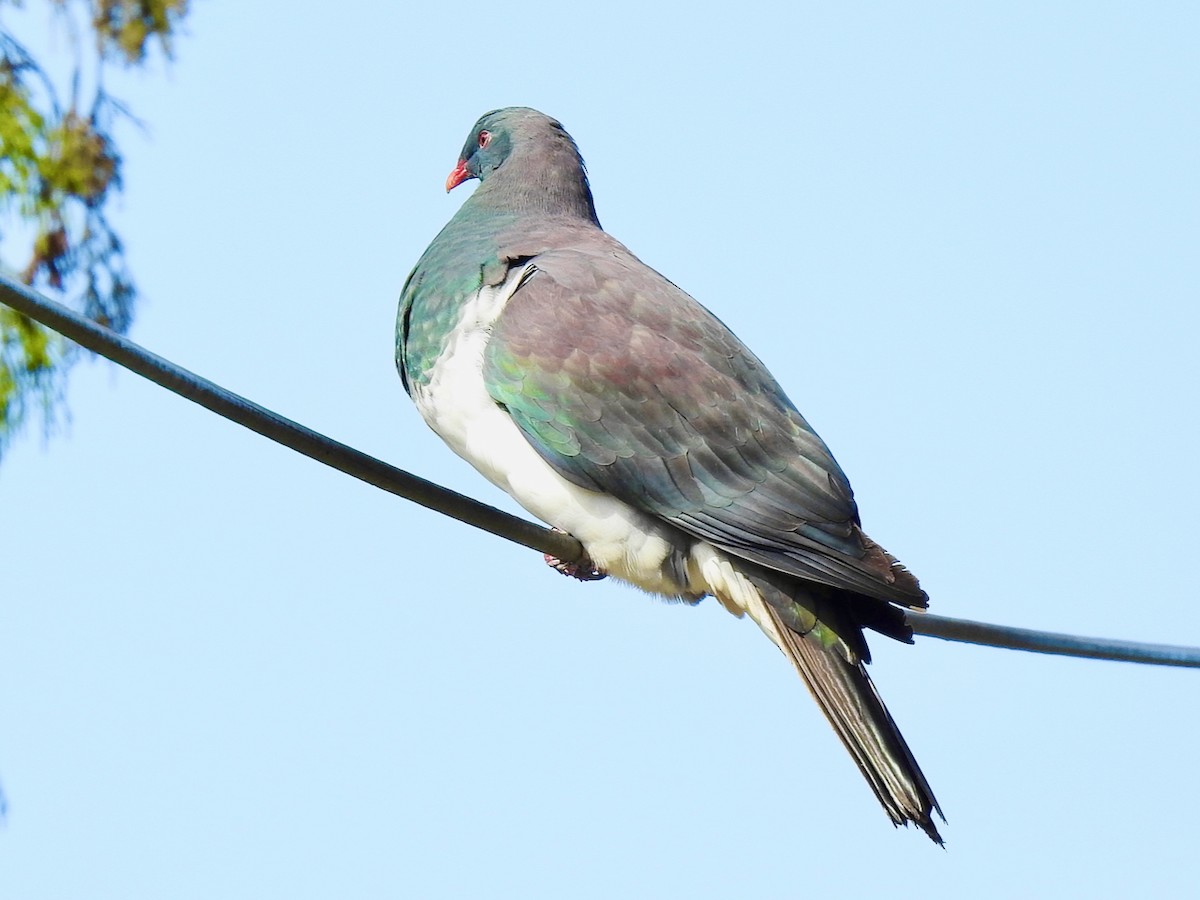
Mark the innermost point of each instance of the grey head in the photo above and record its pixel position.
(525, 162)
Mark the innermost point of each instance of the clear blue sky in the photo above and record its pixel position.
(963, 237)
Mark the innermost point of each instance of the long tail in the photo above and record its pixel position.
(817, 629)
(820, 630)
(853, 707)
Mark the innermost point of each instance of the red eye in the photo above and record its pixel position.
(485, 138)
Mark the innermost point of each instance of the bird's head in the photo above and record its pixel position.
(527, 162)
(488, 146)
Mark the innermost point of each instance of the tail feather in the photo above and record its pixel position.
(853, 707)
(820, 630)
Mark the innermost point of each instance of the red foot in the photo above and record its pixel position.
(583, 569)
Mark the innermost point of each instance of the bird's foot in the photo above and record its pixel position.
(582, 569)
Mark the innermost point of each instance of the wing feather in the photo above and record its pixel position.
(626, 385)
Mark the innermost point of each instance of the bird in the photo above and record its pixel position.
(616, 408)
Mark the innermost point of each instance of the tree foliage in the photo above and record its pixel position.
(59, 167)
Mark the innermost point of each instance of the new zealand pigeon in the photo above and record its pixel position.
(614, 407)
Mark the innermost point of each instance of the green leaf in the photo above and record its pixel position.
(59, 168)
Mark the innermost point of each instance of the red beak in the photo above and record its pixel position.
(458, 176)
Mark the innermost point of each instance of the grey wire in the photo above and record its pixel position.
(1059, 644)
(164, 373)
(366, 468)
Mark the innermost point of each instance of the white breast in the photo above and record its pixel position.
(621, 540)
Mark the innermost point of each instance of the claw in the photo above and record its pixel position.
(582, 569)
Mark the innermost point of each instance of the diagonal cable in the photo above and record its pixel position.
(366, 468)
(312, 444)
